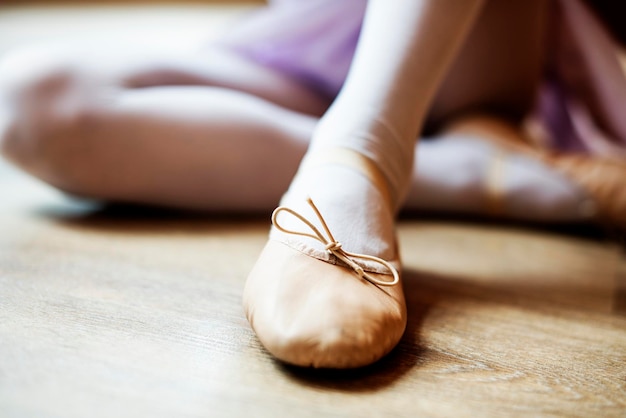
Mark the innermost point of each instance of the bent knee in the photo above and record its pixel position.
(49, 104)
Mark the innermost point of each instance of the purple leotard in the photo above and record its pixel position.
(314, 41)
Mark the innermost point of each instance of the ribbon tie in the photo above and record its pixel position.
(334, 247)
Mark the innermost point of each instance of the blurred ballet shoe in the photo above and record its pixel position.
(601, 180)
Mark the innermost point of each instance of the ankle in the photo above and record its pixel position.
(373, 136)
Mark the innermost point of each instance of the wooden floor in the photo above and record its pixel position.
(137, 313)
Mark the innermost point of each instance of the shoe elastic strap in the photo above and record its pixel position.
(349, 158)
(495, 184)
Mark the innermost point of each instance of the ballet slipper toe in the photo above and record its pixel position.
(604, 181)
(309, 312)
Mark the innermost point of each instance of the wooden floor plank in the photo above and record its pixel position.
(133, 313)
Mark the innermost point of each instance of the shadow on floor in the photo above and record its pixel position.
(145, 219)
(424, 291)
(581, 230)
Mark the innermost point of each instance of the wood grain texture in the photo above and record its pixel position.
(132, 313)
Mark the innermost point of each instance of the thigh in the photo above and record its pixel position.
(148, 126)
(85, 68)
(219, 67)
(500, 64)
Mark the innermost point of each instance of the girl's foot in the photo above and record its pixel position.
(547, 184)
(331, 301)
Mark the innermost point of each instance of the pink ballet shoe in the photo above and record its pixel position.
(342, 312)
(601, 180)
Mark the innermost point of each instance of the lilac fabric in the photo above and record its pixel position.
(580, 106)
(582, 102)
(311, 40)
